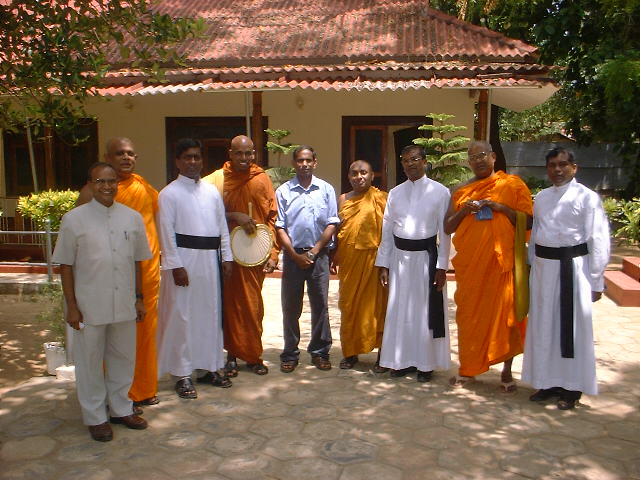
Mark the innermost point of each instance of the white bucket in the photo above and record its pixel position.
(56, 356)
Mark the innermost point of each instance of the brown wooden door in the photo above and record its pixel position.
(369, 142)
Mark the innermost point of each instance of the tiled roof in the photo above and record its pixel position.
(334, 45)
(383, 76)
(257, 32)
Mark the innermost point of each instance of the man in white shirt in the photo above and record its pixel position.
(568, 252)
(413, 256)
(99, 249)
(194, 242)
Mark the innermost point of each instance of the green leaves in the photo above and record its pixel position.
(445, 152)
(51, 204)
(54, 54)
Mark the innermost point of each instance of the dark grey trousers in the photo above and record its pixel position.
(293, 280)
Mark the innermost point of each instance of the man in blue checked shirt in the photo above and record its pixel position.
(307, 221)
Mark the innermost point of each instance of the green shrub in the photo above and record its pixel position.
(51, 204)
(624, 217)
(629, 219)
(446, 152)
(279, 175)
(536, 184)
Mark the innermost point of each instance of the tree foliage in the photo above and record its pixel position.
(596, 44)
(446, 152)
(54, 53)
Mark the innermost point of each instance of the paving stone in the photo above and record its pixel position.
(349, 450)
(146, 474)
(182, 464)
(266, 410)
(634, 468)
(314, 411)
(187, 439)
(226, 425)
(557, 445)
(293, 447)
(530, 464)
(89, 472)
(577, 427)
(381, 433)
(169, 419)
(27, 448)
(219, 406)
(626, 431)
(613, 448)
(328, 429)
(466, 459)
(298, 396)
(276, 427)
(236, 444)
(33, 425)
(432, 473)
(347, 397)
(34, 469)
(438, 438)
(408, 456)
(87, 451)
(249, 467)
(310, 469)
(593, 467)
(370, 471)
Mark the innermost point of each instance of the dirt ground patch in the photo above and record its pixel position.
(21, 339)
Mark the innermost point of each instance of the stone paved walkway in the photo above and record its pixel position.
(344, 425)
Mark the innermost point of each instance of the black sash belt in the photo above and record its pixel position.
(436, 303)
(197, 243)
(566, 256)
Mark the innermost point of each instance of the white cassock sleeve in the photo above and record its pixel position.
(386, 243)
(599, 242)
(225, 245)
(444, 246)
(167, 232)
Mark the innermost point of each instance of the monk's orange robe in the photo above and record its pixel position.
(136, 193)
(488, 332)
(243, 307)
(363, 301)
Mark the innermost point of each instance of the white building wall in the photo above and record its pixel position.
(314, 117)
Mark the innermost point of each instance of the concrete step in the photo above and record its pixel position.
(622, 289)
(631, 266)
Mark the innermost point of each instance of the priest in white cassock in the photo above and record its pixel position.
(194, 240)
(568, 252)
(413, 258)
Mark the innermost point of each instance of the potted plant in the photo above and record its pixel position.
(53, 316)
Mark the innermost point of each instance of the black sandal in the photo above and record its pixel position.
(215, 379)
(185, 388)
(231, 369)
(348, 362)
(258, 368)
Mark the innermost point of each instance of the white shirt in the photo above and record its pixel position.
(102, 245)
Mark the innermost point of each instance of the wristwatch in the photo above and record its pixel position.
(311, 256)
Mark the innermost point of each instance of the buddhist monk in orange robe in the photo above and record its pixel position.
(136, 193)
(483, 216)
(363, 299)
(245, 182)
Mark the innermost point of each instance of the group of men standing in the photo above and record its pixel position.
(489, 217)
(206, 302)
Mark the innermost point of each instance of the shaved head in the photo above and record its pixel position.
(481, 145)
(359, 164)
(120, 154)
(241, 153)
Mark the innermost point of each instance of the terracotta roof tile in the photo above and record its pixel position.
(256, 32)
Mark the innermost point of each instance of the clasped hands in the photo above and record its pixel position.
(474, 206)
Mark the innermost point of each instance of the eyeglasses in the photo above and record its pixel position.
(478, 156)
(105, 181)
(412, 160)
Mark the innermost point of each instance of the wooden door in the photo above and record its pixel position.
(369, 142)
